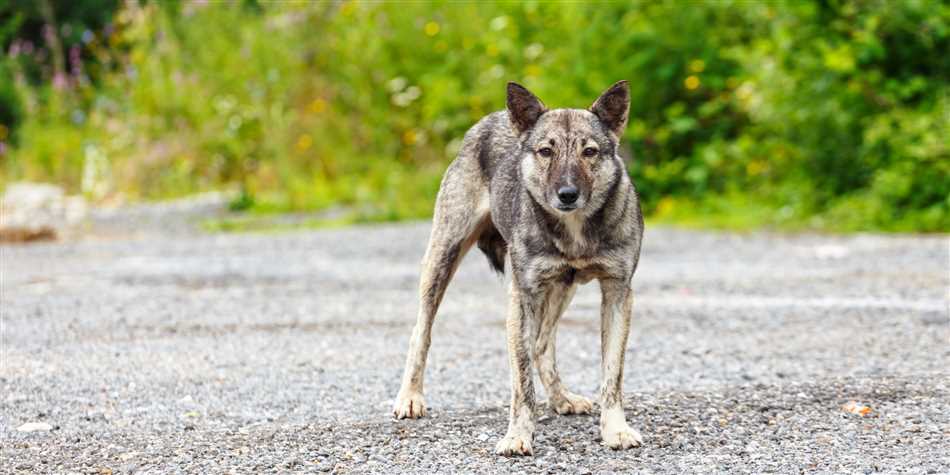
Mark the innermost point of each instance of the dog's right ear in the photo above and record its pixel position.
(524, 108)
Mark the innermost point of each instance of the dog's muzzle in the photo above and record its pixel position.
(567, 198)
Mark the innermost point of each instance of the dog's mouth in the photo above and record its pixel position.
(565, 208)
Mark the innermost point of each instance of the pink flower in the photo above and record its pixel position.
(59, 81)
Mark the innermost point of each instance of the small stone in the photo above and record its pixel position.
(35, 427)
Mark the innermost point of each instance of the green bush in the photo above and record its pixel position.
(853, 97)
(11, 110)
(830, 115)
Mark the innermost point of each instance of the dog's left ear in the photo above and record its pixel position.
(613, 106)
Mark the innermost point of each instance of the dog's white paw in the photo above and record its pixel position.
(514, 444)
(624, 438)
(570, 403)
(409, 405)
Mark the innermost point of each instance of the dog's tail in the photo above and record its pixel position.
(495, 248)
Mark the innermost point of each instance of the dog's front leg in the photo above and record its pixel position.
(522, 331)
(616, 308)
(561, 400)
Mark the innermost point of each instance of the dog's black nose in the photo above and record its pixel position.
(567, 194)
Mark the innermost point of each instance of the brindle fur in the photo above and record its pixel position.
(502, 193)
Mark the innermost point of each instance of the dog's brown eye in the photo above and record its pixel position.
(546, 152)
(590, 152)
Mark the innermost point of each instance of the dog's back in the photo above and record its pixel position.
(485, 148)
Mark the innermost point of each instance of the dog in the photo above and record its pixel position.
(546, 191)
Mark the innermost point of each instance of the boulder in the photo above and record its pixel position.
(38, 211)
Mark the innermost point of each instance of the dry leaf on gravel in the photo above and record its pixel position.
(856, 408)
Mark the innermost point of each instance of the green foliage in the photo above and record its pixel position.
(11, 111)
(830, 115)
(852, 97)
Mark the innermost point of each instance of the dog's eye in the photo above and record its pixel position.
(546, 152)
(590, 152)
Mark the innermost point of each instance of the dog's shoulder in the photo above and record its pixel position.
(489, 141)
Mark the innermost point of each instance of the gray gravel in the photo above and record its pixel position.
(183, 352)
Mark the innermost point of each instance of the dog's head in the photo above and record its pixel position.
(569, 157)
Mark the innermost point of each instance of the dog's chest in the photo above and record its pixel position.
(571, 240)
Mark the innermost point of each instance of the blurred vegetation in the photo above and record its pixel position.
(830, 115)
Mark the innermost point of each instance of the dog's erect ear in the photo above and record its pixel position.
(613, 106)
(523, 107)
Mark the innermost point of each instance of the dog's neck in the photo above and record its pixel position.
(581, 233)
(572, 240)
(565, 231)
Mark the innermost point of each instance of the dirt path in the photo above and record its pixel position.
(281, 352)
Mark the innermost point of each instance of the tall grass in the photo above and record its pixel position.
(831, 116)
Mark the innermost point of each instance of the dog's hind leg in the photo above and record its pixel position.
(461, 213)
(559, 398)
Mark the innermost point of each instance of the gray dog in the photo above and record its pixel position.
(547, 190)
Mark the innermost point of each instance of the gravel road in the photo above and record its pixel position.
(281, 352)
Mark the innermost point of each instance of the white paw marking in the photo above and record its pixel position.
(569, 403)
(409, 405)
(624, 438)
(514, 444)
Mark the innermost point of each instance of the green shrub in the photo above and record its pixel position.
(829, 115)
(11, 110)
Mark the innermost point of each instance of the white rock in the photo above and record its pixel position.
(35, 427)
(37, 210)
(831, 251)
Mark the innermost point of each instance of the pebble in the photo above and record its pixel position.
(35, 427)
